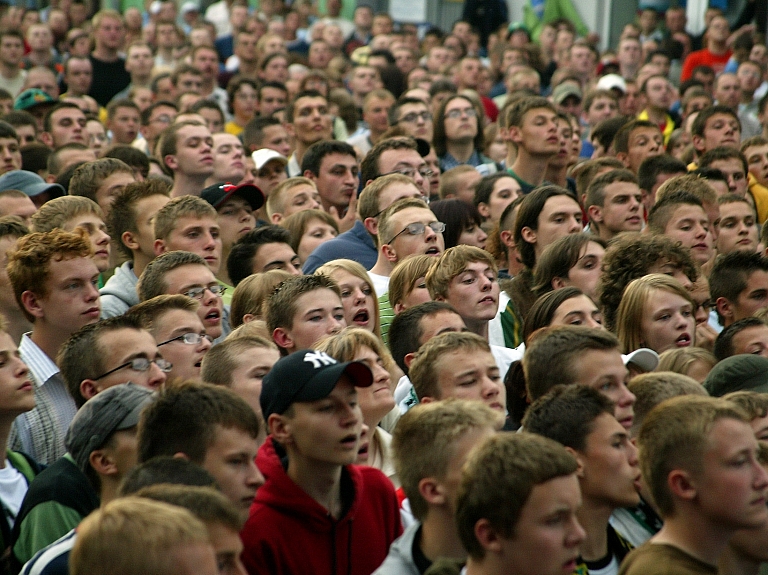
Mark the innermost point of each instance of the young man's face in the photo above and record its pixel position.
(337, 181)
(118, 347)
(604, 371)
(271, 100)
(689, 225)
(585, 274)
(299, 198)
(474, 293)
(732, 494)
(276, 256)
(185, 278)
(537, 133)
(405, 244)
(110, 188)
(753, 340)
(143, 239)
(505, 191)
(248, 375)
(601, 109)
(463, 127)
(471, 374)
(72, 295)
(733, 170)
(311, 120)
(752, 298)
(416, 120)
(186, 358)
(327, 430)
(125, 125)
(560, 216)
(737, 230)
(276, 138)
(17, 393)
(610, 464)
(236, 219)
(67, 126)
(318, 313)
(643, 143)
(17, 206)
(194, 152)
(228, 547)
(539, 545)
(719, 130)
(404, 160)
(228, 162)
(658, 91)
(200, 236)
(230, 459)
(97, 232)
(622, 209)
(667, 322)
(10, 155)
(757, 159)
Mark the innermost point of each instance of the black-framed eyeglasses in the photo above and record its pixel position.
(413, 116)
(197, 292)
(458, 113)
(417, 229)
(424, 171)
(705, 305)
(190, 338)
(140, 364)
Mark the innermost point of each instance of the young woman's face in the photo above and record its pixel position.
(357, 297)
(315, 233)
(667, 321)
(473, 235)
(585, 274)
(579, 310)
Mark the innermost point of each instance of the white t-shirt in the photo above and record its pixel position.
(13, 488)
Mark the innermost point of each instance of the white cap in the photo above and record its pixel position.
(190, 6)
(154, 8)
(646, 359)
(610, 81)
(264, 155)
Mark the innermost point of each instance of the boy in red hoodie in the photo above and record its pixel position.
(317, 513)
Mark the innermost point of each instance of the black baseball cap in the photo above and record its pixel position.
(219, 193)
(307, 375)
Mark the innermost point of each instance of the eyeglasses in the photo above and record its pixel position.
(458, 113)
(417, 229)
(162, 118)
(197, 293)
(140, 364)
(189, 338)
(705, 305)
(411, 172)
(413, 116)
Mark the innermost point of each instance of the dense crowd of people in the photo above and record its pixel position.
(302, 289)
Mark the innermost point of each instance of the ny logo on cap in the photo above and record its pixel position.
(318, 358)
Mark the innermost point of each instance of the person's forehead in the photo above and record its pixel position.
(688, 211)
(310, 102)
(560, 202)
(194, 131)
(336, 159)
(720, 117)
(412, 107)
(189, 274)
(224, 138)
(394, 157)
(185, 222)
(67, 113)
(413, 215)
(178, 318)
(461, 103)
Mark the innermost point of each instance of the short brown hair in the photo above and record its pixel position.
(221, 360)
(146, 312)
(122, 215)
(58, 211)
(451, 263)
(181, 207)
(251, 293)
(650, 389)
(88, 178)
(152, 280)
(280, 308)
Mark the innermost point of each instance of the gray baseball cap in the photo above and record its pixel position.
(115, 409)
(29, 183)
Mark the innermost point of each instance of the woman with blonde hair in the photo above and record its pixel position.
(694, 362)
(361, 308)
(377, 400)
(656, 312)
(309, 229)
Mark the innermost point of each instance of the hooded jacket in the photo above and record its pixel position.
(119, 293)
(289, 533)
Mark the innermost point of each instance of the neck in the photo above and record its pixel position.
(322, 483)
(223, 275)
(557, 175)
(109, 487)
(530, 168)
(594, 518)
(207, 88)
(105, 54)
(250, 69)
(6, 422)
(48, 338)
(717, 47)
(301, 149)
(9, 72)
(695, 535)
(478, 326)
(734, 563)
(17, 323)
(460, 150)
(383, 266)
(140, 81)
(439, 537)
(747, 97)
(184, 185)
(629, 71)
(165, 53)
(509, 161)
(375, 136)
(656, 115)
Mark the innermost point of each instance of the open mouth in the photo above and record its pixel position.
(433, 251)
(213, 316)
(361, 317)
(350, 441)
(683, 341)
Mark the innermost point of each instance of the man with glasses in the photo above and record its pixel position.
(185, 273)
(406, 228)
(55, 282)
(413, 117)
(180, 335)
(397, 155)
(458, 138)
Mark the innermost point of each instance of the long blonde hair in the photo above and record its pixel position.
(358, 271)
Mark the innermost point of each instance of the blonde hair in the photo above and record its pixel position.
(255, 328)
(359, 272)
(135, 536)
(650, 389)
(298, 222)
(632, 307)
(682, 360)
(251, 293)
(276, 198)
(453, 262)
(402, 280)
(57, 212)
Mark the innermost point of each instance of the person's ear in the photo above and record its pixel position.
(248, 318)
(88, 388)
(279, 428)
(427, 399)
(102, 462)
(595, 214)
(129, 241)
(371, 225)
(558, 283)
(282, 338)
(484, 210)
(32, 304)
(389, 253)
(46, 138)
(171, 162)
(514, 134)
(579, 461)
(528, 235)
(276, 218)
(432, 491)
(160, 247)
(623, 157)
(724, 307)
(698, 143)
(507, 238)
(408, 359)
(487, 536)
(682, 485)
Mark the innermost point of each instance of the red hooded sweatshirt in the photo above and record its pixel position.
(289, 533)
